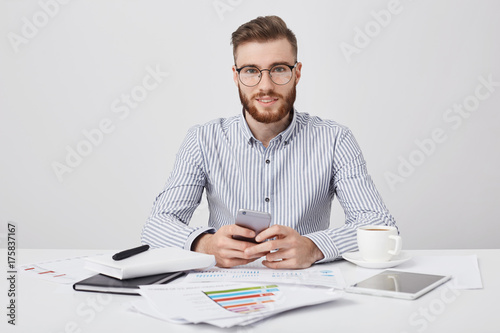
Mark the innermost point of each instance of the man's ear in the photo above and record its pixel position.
(298, 72)
(235, 75)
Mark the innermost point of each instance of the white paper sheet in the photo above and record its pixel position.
(64, 271)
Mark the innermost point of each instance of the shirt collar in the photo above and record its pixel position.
(288, 132)
(247, 133)
(283, 136)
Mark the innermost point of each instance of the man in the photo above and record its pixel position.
(270, 158)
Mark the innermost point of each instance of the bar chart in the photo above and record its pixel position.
(64, 271)
(246, 300)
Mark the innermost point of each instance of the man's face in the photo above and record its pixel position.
(267, 102)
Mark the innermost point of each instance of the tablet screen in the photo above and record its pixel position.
(411, 285)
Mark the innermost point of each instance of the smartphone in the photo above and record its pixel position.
(254, 220)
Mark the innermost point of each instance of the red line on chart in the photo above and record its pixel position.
(59, 275)
(242, 297)
(246, 304)
(29, 269)
(240, 305)
(46, 272)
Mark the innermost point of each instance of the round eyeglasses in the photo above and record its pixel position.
(280, 74)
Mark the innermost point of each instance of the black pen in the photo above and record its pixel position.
(131, 252)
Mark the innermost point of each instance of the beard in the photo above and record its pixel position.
(268, 117)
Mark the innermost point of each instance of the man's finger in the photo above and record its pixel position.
(278, 255)
(236, 245)
(233, 262)
(280, 264)
(264, 248)
(234, 229)
(272, 232)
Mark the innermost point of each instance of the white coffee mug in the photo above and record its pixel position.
(378, 243)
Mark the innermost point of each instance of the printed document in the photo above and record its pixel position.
(256, 272)
(228, 304)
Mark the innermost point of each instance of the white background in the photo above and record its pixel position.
(65, 68)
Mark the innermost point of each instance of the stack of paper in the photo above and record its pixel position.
(227, 304)
(240, 295)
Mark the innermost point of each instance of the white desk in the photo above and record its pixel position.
(47, 307)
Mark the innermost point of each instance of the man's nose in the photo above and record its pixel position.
(265, 81)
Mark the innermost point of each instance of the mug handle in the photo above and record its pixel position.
(397, 246)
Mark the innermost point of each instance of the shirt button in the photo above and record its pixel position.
(267, 161)
(266, 199)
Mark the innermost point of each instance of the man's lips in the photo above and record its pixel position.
(267, 100)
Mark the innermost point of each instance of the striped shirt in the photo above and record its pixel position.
(294, 179)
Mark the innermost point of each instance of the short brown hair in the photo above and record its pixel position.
(263, 29)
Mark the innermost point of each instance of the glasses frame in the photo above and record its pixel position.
(270, 75)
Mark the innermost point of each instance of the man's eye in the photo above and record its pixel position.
(279, 69)
(250, 71)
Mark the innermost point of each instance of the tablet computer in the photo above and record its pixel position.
(398, 284)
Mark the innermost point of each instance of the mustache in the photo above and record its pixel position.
(267, 94)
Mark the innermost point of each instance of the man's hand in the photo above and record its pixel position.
(293, 250)
(228, 252)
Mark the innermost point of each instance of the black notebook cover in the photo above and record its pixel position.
(107, 284)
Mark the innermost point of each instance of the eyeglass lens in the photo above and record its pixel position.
(251, 76)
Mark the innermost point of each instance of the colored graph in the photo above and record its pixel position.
(245, 300)
(232, 274)
(65, 271)
(315, 276)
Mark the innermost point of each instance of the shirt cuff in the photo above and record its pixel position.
(191, 238)
(325, 245)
